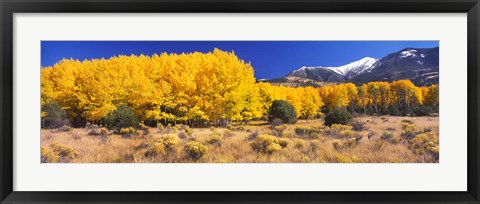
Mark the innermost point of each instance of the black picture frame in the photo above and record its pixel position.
(10, 7)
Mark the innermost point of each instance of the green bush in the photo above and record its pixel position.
(422, 111)
(393, 110)
(123, 117)
(276, 122)
(338, 116)
(283, 110)
(54, 116)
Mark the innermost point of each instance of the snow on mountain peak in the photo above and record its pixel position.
(359, 66)
(411, 53)
(356, 67)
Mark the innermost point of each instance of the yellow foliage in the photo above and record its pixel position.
(169, 141)
(64, 153)
(180, 87)
(426, 143)
(196, 86)
(195, 150)
(48, 156)
(268, 144)
(127, 131)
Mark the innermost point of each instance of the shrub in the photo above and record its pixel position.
(53, 116)
(195, 150)
(145, 129)
(422, 111)
(313, 147)
(386, 136)
(340, 145)
(65, 129)
(276, 122)
(346, 133)
(370, 135)
(389, 137)
(253, 135)
(426, 144)
(215, 139)
(358, 137)
(188, 130)
(157, 149)
(393, 110)
(161, 128)
(143, 145)
(299, 143)
(76, 136)
(378, 145)
(282, 142)
(308, 133)
(409, 130)
(178, 127)
(345, 159)
(65, 153)
(163, 146)
(237, 128)
(169, 142)
(395, 140)
(340, 131)
(123, 117)
(274, 147)
(337, 144)
(338, 116)
(228, 133)
(358, 125)
(98, 132)
(91, 126)
(216, 132)
(266, 144)
(182, 135)
(278, 130)
(47, 156)
(427, 129)
(127, 132)
(283, 110)
(406, 121)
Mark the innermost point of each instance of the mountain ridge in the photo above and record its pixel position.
(420, 65)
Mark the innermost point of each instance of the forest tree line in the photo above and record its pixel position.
(211, 88)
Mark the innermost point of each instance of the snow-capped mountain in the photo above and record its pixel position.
(420, 65)
(347, 71)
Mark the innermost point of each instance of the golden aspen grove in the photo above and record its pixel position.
(209, 107)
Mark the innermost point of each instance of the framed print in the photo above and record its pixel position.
(239, 101)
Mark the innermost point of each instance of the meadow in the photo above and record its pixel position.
(367, 139)
(209, 107)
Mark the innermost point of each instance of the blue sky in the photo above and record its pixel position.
(270, 59)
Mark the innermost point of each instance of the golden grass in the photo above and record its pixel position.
(235, 146)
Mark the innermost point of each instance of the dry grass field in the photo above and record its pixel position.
(368, 139)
